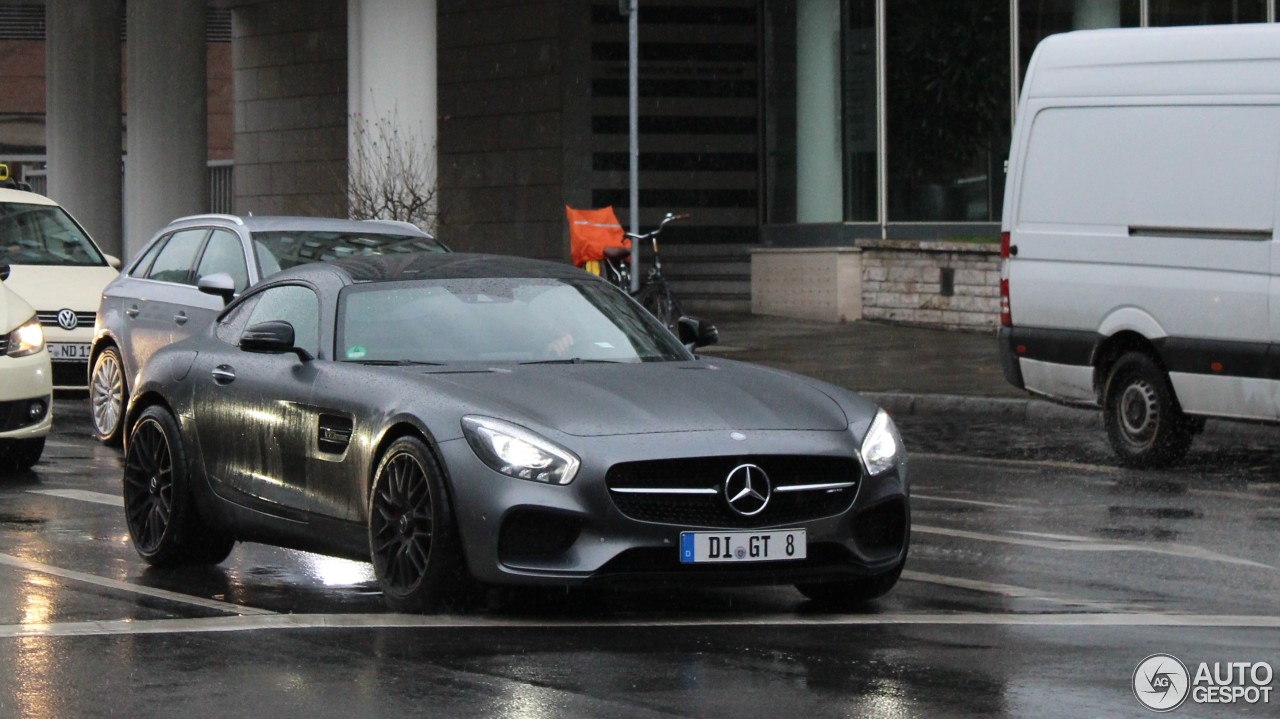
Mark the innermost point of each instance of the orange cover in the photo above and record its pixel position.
(590, 231)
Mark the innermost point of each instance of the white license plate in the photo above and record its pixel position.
(779, 545)
(69, 352)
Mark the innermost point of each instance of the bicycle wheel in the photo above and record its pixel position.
(661, 303)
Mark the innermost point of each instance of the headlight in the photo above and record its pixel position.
(517, 452)
(27, 339)
(881, 446)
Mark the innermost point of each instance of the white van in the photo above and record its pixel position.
(1142, 266)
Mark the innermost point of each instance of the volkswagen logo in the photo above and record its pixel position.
(67, 320)
(747, 490)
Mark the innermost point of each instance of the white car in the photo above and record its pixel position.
(26, 386)
(55, 266)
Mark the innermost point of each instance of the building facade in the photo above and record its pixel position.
(771, 122)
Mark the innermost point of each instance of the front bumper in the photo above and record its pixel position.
(517, 531)
(24, 380)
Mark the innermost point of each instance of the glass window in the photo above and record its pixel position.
(280, 250)
(296, 305)
(224, 253)
(948, 115)
(174, 262)
(1206, 12)
(33, 234)
(143, 265)
(1040, 19)
(234, 319)
(498, 320)
(859, 110)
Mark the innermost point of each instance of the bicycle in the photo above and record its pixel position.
(654, 293)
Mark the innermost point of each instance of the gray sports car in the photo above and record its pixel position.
(466, 420)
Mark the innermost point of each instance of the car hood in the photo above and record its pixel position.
(13, 310)
(50, 288)
(614, 399)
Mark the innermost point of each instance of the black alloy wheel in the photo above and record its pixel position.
(108, 396)
(413, 539)
(1144, 422)
(159, 510)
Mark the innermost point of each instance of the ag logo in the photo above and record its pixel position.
(1161, 682)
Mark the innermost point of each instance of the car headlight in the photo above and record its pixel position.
(517, 452)
(881, 446)
(28, 339)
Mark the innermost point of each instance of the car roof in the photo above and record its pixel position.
(26, 198)
(287, 223)
(433, 266)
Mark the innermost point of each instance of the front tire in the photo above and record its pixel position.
(853, 592)
(21, 454)
(661, 303)
(160, 511)
(1145, 425)
(108, 395)
(413, 538)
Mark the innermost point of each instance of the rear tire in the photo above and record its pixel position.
(1145, 424)
(108, 395)
(164, 524)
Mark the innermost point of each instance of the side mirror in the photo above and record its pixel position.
(218, 284)
(4, 272)
(113, 261)
(695, 333)
(274, 337)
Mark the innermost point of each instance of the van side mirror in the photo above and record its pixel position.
(695, 332)
(113, 261)
(218, 284)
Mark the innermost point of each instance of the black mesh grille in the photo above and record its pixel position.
(712, 509)
(71, 374)
(83, 319)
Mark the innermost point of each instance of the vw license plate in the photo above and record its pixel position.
(779, 545)
(69, 352)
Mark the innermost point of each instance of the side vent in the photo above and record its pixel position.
(335, 433)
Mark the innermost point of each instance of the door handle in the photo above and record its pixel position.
(180, 318)
(224, 374)
(132, 312)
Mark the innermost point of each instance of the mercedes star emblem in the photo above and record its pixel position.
(747, 490)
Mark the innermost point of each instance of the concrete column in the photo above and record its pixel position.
(819, 189)
(391, 62)
(82, 55)
(165, 167)
(1091, 14)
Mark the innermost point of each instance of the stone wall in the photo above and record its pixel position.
(289, 62)
(944, 284)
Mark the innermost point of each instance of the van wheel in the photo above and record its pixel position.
(1145, 425)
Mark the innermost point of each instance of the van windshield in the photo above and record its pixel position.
(43, 235)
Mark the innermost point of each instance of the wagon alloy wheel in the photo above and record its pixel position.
(1145, 424)
(159, 509)
(413, 539)
(107, 396)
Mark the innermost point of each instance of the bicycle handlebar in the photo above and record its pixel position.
(654, 232)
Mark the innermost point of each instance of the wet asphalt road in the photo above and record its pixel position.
(1040, 575)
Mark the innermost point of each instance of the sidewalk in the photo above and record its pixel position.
(906, 369)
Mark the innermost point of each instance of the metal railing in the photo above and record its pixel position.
(222, 193)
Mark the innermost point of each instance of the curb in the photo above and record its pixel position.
(1035, 411)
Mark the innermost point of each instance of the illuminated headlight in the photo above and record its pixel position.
(27, 339)
(881, 446)
(517, 452)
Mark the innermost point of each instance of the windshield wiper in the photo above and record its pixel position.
(573, 360)
(396, 363)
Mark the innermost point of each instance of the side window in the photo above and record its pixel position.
(234, 320)
(141, 267)
(224, 253)
(296, 305)
(173, 264)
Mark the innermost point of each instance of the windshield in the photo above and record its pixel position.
(43, 235)
(280, 250)
(499, 320)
